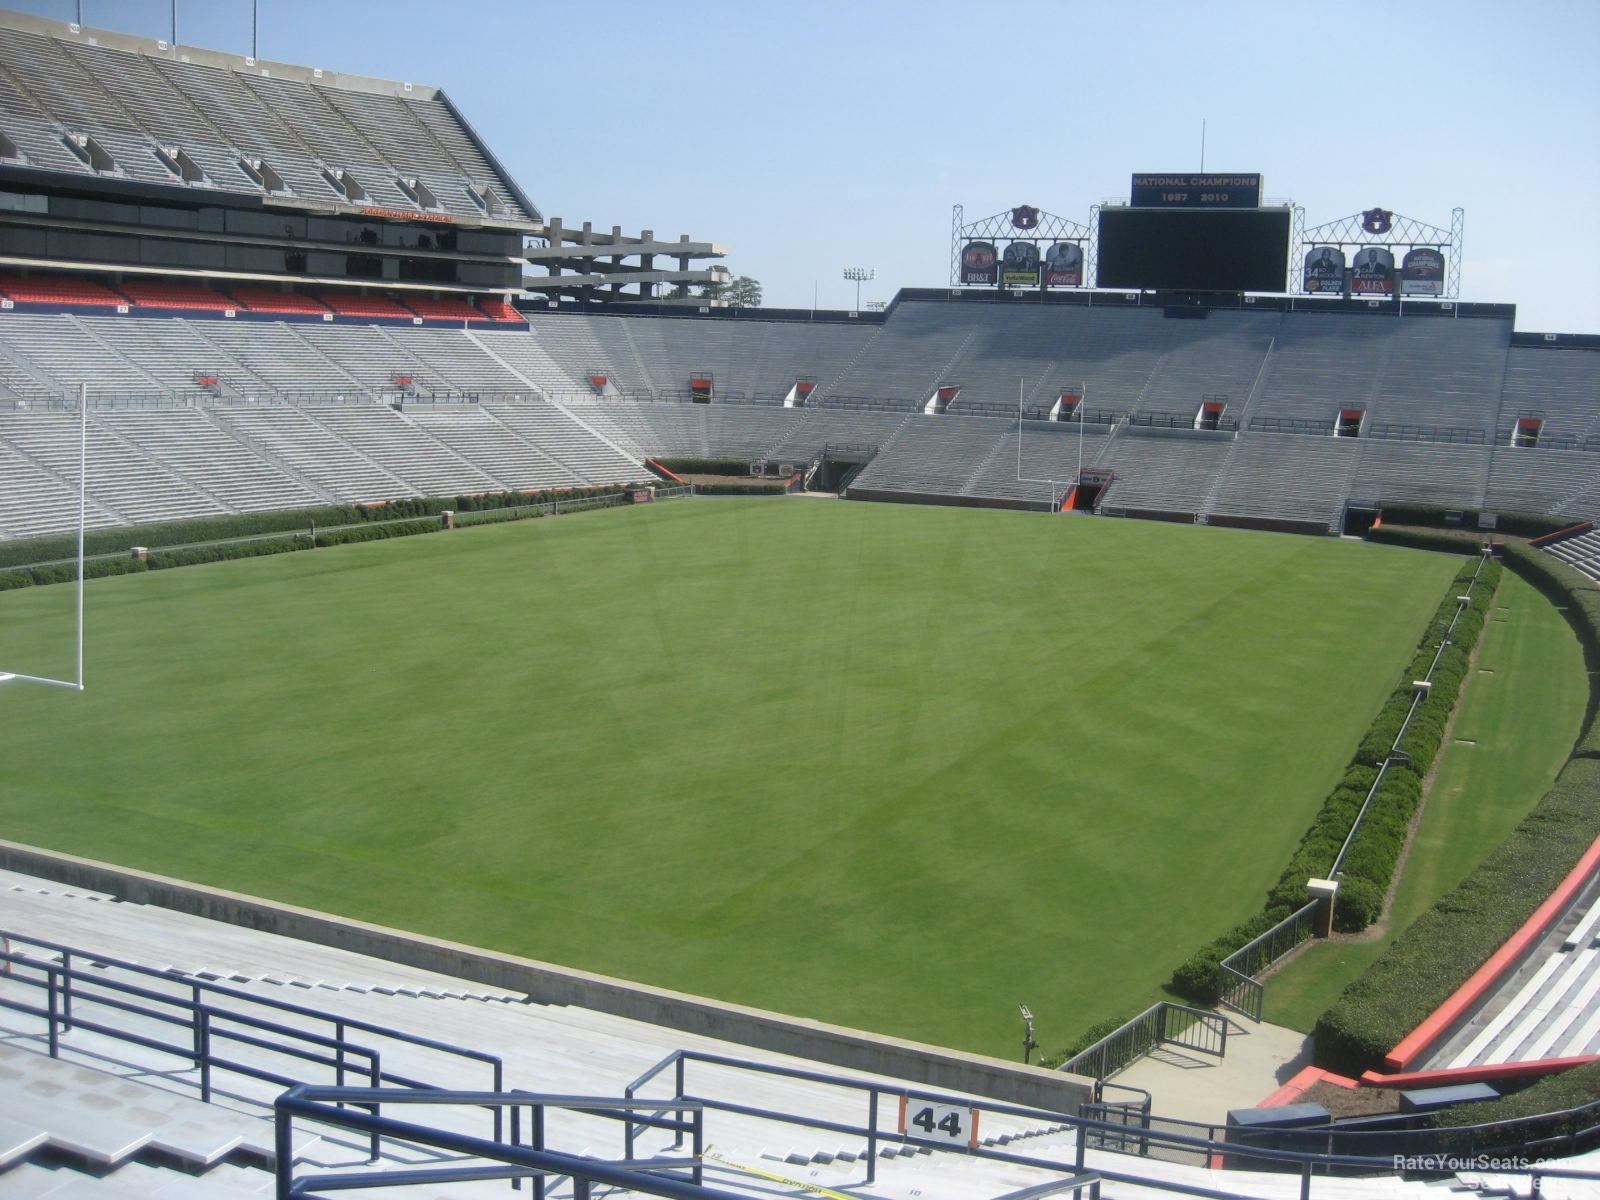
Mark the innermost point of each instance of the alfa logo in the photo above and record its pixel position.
(1025, 217)
(1377, 220)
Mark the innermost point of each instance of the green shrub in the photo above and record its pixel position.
(1512, 524)
(689, 465)
(1086, 1039)
(739, 489)
(375, 533)
(190, 556)
(118, 539)
(1359, 904)
(1196, 979)
(1444, 540)
(1552, 1098)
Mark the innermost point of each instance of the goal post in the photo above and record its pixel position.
(75, 683)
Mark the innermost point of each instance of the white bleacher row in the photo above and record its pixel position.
(1156, 474)
(117, 1120)
(1581, 552)
(933, 454)
(232, 456)
(1041, 467)
(1549, 1008)
(1423, 371)
(1285, 476)
(1558, 387)
(151, 465)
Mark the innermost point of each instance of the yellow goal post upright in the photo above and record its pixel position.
(75, 684)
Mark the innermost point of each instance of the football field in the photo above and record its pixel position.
(895, 767)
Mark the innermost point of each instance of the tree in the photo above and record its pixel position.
(741, 292)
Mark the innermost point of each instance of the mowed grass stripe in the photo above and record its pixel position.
(889, 766)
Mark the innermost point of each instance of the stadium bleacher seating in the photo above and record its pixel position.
(443, 309)
(151, 293)
(1158, 473)
(1292, 478)
(272, 300)
(522, 399)
(57, 289)
(130, 102)
(499, 310)
(1557, 386)
(347, 304)
(1549, 1008)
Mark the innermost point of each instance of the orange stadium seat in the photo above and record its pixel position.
(57, 289)
(265, 299)
(444, 310)
(349, 304)
(151, 293)
(499, 310)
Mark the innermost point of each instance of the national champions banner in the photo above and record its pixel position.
(1422, 272)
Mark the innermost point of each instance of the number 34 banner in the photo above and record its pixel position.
(944, 1124)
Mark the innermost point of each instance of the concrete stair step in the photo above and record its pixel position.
(162, 940)
(104, 1119)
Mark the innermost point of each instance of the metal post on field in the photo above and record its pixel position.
(1083, 398)
(83, 508)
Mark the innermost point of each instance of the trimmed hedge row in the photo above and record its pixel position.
(1447, 541)
(1085, 1039)
(380, 523)
(1441, 948)
(1369, 866)
(739, 489)
(1574, 1089)
(118, 538)
(688, 465)
(1515, 524)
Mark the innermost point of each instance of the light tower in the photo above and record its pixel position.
(858, 275)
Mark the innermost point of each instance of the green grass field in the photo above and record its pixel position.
(895, 767)
(1516, 723)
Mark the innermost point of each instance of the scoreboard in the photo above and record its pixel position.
(1194, 249)
(1180, 190)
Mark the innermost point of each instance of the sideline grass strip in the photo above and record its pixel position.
(1518, 718)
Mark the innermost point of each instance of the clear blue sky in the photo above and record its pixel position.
(809, 137)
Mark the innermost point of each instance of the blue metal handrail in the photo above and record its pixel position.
(1202, 1143)
(200, 1012)
(328, 1106)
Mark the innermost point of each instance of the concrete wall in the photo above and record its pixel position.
(937, 1068)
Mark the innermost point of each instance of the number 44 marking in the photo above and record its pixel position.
(946, 1124)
